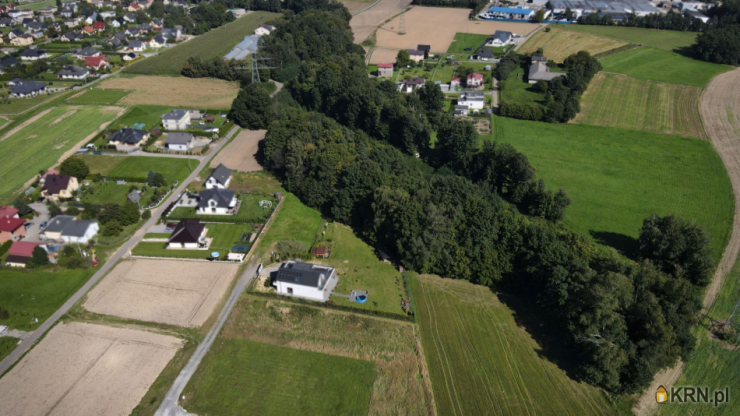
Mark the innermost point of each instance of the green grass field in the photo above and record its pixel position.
(519, 91)
(630, 103)
(40, 144)
(37, 294)
(359, 268)
(19, 105)
(102, 97)
(249, 211)
(7, 345)
(616, 178)
(224, 237)
(105, 192)
(216, 42)
(245, 377)
(558, 43)
(662, 66)
(294, 221)
(662, 39)
(480, 359)
(150, 115)
(467, 40)
(37, 5)
(139, 166)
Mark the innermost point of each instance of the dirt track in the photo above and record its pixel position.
(84, 369)
(365, 23)
(720, 109)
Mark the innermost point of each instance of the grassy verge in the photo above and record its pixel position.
(294, 221)
(100, 97)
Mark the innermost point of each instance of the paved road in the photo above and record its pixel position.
(122, 251)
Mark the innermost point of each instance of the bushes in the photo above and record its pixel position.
(5, 247)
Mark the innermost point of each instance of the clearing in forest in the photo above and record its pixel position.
(482, 362)
(620, 101)
(557, 44)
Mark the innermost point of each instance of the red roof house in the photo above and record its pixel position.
(98, 26)
(474, 80)
(385, 65)
(7, 211)
(89, 30)
(322, 252)
(11, 229)
(96, 61)
(455, 82)
(22, 248)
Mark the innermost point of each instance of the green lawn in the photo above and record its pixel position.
(37, 5)
(466, 40)
(157, 235)
(173, 169)
(224, 237)
(37, 294)
(616, 178)
(7, 345)
(150, 115)
(105, 192)
(444, 73)
(240, 377)
(359, 268)
(19, 105)
(103, 97)
(517, 90)
(40, 144)
(294, 221)
(659, 65)
(249, 211)
(662, 39)
(480, 358)
(214, 43)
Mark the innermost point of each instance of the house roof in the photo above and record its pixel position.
(10, 61)
(268, 27)
(385, 65)
(539, 71)
(415, 81)
(187, 231)
(88, 51)
(73, 70)
(33, 53)
(222, 197)
(134, 196)
(414, 52)
(221, 174)
(175, 115)
(304, 274)
(88, 29)
(135, 44)
(16, 260)
(484, 53)
(72, 35)
(160, 39)
(179, 138)
(7, 211)
(423, 48)
(57, 223)
(22, 248)
(475, 75)
(502, 35)
(53, 184)
(95, 60)
(76, 228)
(10, 224)
(98, 25)
(127, 136)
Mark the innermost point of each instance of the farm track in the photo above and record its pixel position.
(719, 106)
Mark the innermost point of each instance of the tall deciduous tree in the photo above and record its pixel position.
(252, 108)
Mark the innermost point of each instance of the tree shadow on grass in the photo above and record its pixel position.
(624, 244)
(685, 51)
(552, 341)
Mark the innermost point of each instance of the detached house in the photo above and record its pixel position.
(33, 54)
(135, 46)
(179, 142)
(415, 55)
(157, 41)
(220, 177)
(96, 62)
(25, 89)
(70, 230)
(71, 37)
(538, 71)
(128, 137)
(98, 26)
(385, 70)
(176, 120)
(216, 201)
(500, 38)
(264, 30)
(12, 229)
(410, 85)
(474, 80)
(59, 186)
(22, 40)
(306, 280)
(21, 252)
(87, 52)
(189, 234)
(73, 72)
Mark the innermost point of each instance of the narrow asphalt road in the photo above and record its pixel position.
(120, 253)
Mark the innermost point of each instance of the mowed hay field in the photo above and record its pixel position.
(214, 43)
(173, 91)
(165, 291)
(662, 66)
(400, 385)
(558, 44)
(616, 178)
(620, 101)
(44, 140)
(99, 97)
(240, 377)
(668, 40)
(481, 362)
(173, 169)
(437, 26)
(84, 369)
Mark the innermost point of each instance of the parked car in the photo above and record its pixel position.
(42, 225)
(28, 224)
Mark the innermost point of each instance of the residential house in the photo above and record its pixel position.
(91, 18)
(6, 22)
(157, 41)
(33, 55)
(38, 35)
(98, 26)
(59, 186)
(385, 70)
(475, 81)
(156, 24)
(71, 37)
(134, 196)
(70, 5)
(6, 8)
(19, 15)
(179, 142)
(12, 229)
(15, 33)
(116, 23)
(424, 48)
(264, 30)
(128, 137)
(538, 71)
(135, 46)
(216, 201)
(170, 33)
(132, 31)
(305, 280)
(96, 62)
(472, 100)
(21, 253)
(130, 17)
(144, 28)
(484, 54)
(454, 83)
(72, 22)
(68, 229)
(461, 110)
(134, 7)
(35, 26)
(23, 40)
(500, 38)
(415, 55)
(86, 52)
(107, 14)
(6, 211)
(176, 120)
(129, 57)
(73, 72)
(410, 85)
(87, 30)
(25, 89)
(220, 178)
(189, 234)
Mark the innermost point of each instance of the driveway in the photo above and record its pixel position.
(32, 232)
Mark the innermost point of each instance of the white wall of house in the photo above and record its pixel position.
(180, 124)
(213, 183)
(307, 292)
(89, 233)
(178, 147)
(193, 246)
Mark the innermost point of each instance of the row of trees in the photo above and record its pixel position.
(720, 43)
(348, 146)
(668, 21)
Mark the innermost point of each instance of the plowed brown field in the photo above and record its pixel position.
(240, 153)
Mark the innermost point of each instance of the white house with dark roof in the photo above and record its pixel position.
(73, 72)
(264, 30)
(500, 38)
(220, 177)
(538, 71)
(305, 280)
(179, 142)
(216, 201)
(33, 55)
(70, 230)
(25, 89)
(128, 137)
(176, 120)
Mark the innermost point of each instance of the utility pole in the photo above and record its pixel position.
(402, 19)
(255, 66)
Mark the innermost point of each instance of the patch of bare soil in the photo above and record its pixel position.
(174, 91)
(363, 25)
(241, 153)
(383, 56)
(19, 127)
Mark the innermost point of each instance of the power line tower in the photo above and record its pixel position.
(255, 67)
(402, 19)
(732, 321)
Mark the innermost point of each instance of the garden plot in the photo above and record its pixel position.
(240, 153)
(84, 369)
(171, 292)
(437, 26)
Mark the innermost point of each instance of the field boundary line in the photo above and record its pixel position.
(366, 8)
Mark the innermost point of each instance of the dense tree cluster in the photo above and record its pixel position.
(720, 43)
(360, 151)
(252, 107)
(74, 166)
(199, 19)
(668, 21)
